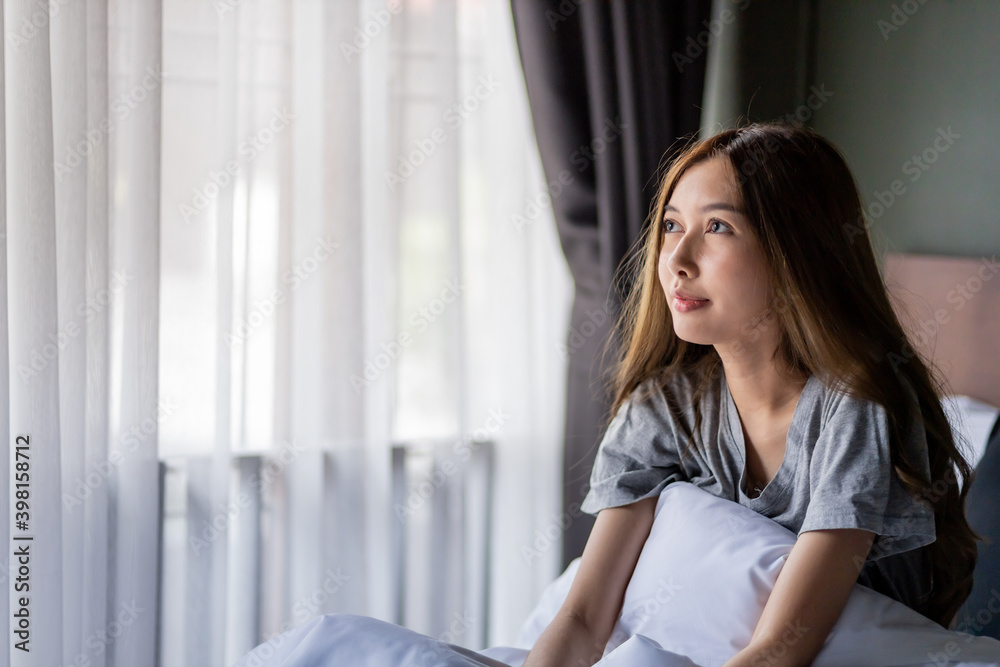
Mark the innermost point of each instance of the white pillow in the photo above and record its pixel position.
(703, 578)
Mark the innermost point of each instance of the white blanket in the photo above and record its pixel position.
(695, 596)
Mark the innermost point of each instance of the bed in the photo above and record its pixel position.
(950, 307)
(707, 568)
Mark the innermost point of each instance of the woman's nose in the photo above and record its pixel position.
(681, 260)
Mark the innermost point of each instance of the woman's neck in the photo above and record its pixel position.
(761, 386)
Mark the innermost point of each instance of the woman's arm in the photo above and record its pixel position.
(581, 629)
(807, 598)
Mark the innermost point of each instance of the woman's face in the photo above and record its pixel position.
(710, 256)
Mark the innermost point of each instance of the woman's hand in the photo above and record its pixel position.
(566, 641)
(580, 630)
(807, 599)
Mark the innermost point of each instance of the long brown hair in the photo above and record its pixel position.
(833, 313)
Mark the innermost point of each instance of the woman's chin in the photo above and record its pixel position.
(692, 335)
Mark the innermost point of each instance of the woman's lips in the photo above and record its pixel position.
(688, 305)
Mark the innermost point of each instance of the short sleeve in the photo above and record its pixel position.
(637, 457)
(853, 484)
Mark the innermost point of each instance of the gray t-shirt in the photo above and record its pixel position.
(836, 472)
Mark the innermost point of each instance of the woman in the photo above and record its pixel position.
(763, 362)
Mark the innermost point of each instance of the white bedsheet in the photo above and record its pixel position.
(697, 591)
(344, 640)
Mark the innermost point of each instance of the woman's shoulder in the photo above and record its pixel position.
(661, 382)
(835, 395)
(658, 410)
(675, 390)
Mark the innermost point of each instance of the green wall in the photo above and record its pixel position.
(915, 105)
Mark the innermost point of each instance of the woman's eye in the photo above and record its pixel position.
(716, 224)
(668, 225)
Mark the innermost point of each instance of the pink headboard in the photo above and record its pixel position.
(950, 307)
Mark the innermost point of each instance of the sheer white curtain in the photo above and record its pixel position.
(261, 254)
(81, 183)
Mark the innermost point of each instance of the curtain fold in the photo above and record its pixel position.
(35, 532)
(5, 430)
(95, 510)
(376, 115)
(608, 100)
(135, 220)
(207, 278)
(226, 249)
(69, 94)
